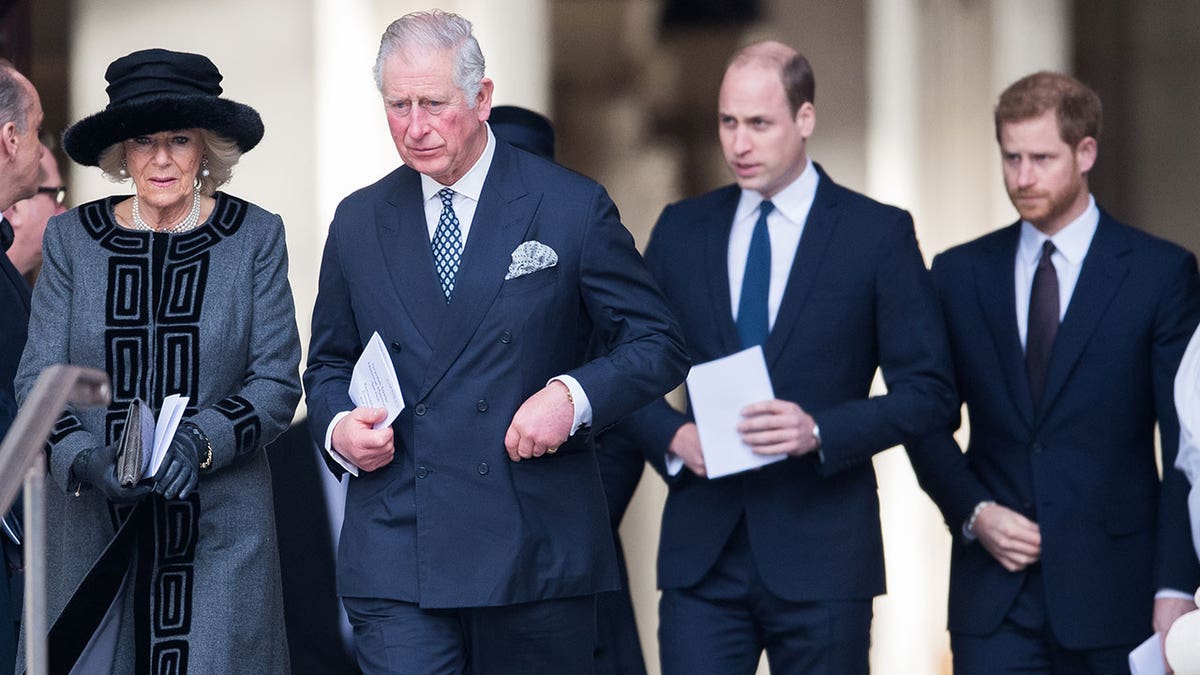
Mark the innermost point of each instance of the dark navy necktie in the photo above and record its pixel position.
(753, 322)
(1043, 323)
(447, 243)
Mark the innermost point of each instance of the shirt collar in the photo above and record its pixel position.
(471, 183)
(792, 201)
(1072, 241)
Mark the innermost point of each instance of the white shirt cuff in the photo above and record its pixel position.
(1172, 593)
(583, 407)
(334, 454)
(674, 464)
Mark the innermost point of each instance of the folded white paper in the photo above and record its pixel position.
(373, 383)
(1147, 658)
(718, 391)
(169, 417)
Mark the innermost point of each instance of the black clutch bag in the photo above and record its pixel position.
(137, 441)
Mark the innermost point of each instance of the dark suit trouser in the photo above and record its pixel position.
(722, 625)
(1025, 643)
(550, 637)
(618, 648)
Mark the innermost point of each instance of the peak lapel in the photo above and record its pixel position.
(996, 286)
(1104, 268)
(503, 216)
(407, 254)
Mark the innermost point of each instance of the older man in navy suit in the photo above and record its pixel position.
(831, 284)
(1066, 329)
(476, 532)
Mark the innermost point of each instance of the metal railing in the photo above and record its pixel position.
(21, 462)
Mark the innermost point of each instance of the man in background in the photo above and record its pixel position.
(831, 286)
(20, 155)
(29, 216)
(1066, 329)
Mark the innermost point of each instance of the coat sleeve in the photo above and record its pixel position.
(651, 428)
(913, 356)
(334, 347)
(250, 417)
(644, 356)
(1176, 565)
(940, 466)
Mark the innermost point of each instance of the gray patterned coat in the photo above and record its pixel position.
(208, 314)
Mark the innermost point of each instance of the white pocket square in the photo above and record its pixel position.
(530, 257)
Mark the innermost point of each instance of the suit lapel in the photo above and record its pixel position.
(716, 259)
(404, 242)
(996, 286)
(1104, 268)
(818, 228)
(504, 214)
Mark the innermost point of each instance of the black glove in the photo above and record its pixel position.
(98, 467)
(180, 470)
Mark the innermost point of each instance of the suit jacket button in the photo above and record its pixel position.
(482, 468)
(420, 409)
(506, 337)
(396, 347)
(482, 405)
(422, 472)
(1037, 448)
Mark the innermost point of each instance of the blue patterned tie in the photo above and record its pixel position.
(752, 319)
(447, 243)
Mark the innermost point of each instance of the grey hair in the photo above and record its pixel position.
(436, 30)
(14, 98)
(220, 155)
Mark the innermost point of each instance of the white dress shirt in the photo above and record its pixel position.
(1187, 404)
(1070, 246)
(785, 225)
(467, 191)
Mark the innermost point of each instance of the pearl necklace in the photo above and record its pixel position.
(188, 223)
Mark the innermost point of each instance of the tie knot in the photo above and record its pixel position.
(765, 208)
(447, 196)
(1047, 251)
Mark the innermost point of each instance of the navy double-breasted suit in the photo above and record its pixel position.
(451, 521)
(858, 297)
(1082, 465)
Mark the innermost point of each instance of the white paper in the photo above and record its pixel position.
(1147, 658)
(373, 383)
(718, 391)
(169, 417)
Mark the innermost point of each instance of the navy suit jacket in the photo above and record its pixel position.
(451, 521)
(14, 306)
(858, 297)
(14, 303)
(1083, 465)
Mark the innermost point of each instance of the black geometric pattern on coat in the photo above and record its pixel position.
(154, 299)
(246, 426)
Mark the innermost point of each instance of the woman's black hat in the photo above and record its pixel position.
(155, 90)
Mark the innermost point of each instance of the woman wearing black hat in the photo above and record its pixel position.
(177, 289)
